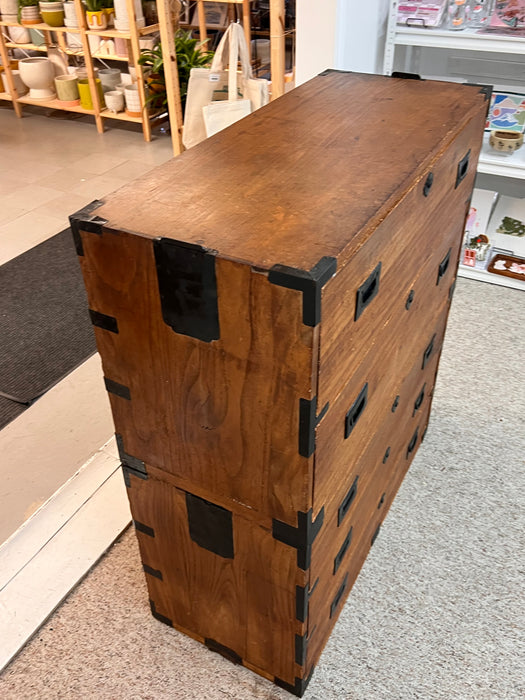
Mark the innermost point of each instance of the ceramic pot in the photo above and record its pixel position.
(114, 101)
(30, 15)
(73, 41)
(39, 75)
(506, 142)
(132, 97)
(70, 14)
(121, 47)
(37, 37)
(8, 7)
(20, 87)
(120, 88)
(52, 13)
(18, 35)
(84, 91)
(67, 90)
(97, 20)
(110, 13)
(94, 42)
(121, 15)
(109, 77)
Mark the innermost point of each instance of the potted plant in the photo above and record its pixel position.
(28, 12)
(95, 15)
(189, 55)
(109, 9)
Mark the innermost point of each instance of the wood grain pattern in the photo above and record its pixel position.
(311, 174)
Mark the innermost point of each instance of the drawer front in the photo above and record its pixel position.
(370, 392)
(371, 290)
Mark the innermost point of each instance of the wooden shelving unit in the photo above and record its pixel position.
(56, 36)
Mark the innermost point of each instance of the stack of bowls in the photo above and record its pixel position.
(52, 13)
(30, 15)
(9, 12)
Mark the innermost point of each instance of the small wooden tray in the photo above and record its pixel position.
(509, 260)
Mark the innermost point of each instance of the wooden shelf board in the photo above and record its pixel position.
(121, 116)
(54, 104)
(484, 276)
(105, 57)
(43, 27)
(26, 47)
(468, 40)
(115, 34)
(5, 96)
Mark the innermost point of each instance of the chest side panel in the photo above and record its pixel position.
(223, 414)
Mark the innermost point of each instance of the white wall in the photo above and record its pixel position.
(315, 37)
(343, 34)
(361, 32)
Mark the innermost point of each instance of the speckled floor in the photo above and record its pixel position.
(437, 612)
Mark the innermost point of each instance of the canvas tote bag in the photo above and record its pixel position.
(218, 97)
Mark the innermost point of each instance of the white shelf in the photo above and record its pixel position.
(466, 40)
(503, 166)
(484, 276)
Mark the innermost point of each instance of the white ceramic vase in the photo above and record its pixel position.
(132, 97)
(8, 7)
(18, 35)
(21, 89)
(110, 78)
(121, 15)
(71, 19)
(114, 100)
(39, 75)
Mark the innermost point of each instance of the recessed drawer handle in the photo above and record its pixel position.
(412, 443)
(338, 596)
(462, 168)
(344, 549)
(367, 291)
(419, 400)
(347, 502)
(356, 410)
(443, 265)
(428, 351)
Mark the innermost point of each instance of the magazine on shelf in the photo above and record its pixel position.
(506, 228)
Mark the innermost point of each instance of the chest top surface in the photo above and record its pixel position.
(308, 176)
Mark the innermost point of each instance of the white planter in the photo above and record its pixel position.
(19, 85)
(73, 41)
(132, 97)
(18, 35)
(114, 100)
(8, 7)
(109, 77)
(39, 75)
(121, 15)
(70, 14)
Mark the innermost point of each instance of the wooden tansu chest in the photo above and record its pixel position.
(270, 308)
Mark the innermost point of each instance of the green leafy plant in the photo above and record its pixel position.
(94, 5)
(190, 54)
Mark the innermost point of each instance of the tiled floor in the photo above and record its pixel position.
(52, 165)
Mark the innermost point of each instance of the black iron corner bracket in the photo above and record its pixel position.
(308, 421)
(300, 685)
(85, 220)
(309, 282)
(130, 465)
(300, 537)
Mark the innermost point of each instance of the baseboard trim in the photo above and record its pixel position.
(52, 551)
